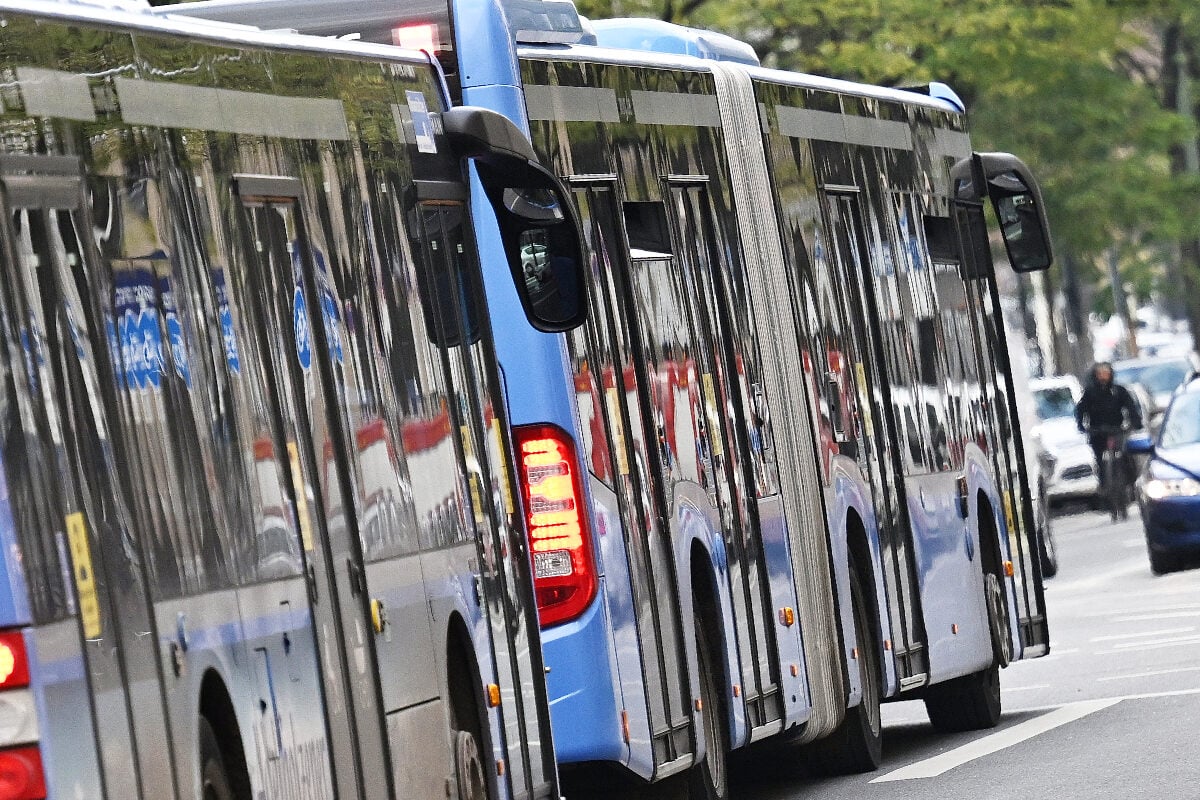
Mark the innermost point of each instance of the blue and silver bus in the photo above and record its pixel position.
(805, 491)
(259, 535)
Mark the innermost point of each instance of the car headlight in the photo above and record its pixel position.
(1175, 487)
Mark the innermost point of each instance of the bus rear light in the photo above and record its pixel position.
(18, 718)
(21, 776)
(14, 665)
(564, 571)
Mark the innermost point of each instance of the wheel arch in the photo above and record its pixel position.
(216, 705)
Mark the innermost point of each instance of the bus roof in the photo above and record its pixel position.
(655, 35)
(167, 20)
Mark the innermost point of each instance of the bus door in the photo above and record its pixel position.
(734, 483)
(1001, 423)
(641, 436)
(872, 439)
(280, 270)
(492, 534)
(62, 283)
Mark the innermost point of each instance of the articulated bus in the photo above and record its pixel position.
(259, 536)
(791, 400)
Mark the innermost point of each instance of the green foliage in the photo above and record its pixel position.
(1072, 86)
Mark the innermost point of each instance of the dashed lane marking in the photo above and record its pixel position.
(1152, 617)
(1127, 567)
(1151, 674)
(1179, 641)
(1142, 634)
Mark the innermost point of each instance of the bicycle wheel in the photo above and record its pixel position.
(1112, 484)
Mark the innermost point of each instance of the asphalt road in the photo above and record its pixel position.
(1112, 713)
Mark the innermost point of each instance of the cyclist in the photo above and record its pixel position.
(1107, 406)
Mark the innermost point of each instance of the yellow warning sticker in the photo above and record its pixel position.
(301, 497)
(618, 430)
(474, 480)
(864, 398)
(85, 581)
(715, 434)
(505, 477)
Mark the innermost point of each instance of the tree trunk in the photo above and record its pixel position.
(1179, 70)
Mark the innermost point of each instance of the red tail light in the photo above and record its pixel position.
(563, 569)
(14, 664)
(21, 776)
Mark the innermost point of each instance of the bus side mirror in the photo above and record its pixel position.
(1018, 203)
(538, 224)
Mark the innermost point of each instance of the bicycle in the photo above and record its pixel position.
(1116, 487)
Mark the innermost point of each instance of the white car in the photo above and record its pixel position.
(1068, 466)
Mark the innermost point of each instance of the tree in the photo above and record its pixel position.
(1072, 86)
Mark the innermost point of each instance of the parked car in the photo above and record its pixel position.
(1027, 414)
(1169, 486)
(1068, 469)
(1160, 377)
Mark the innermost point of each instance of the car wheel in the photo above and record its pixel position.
(1049, 552)
(1161, 564)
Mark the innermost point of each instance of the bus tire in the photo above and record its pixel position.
(709, 780)
(214, 780)
(969, 703)
(1161, 564)
(997, 619)
(857, 744)
(468, 721)
(468, 767)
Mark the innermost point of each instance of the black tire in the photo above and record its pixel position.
(857, 744)
(1049, 554)
(1113, 488)
(1049, 548)
(969, 703)
(214, 780)
(1161, 564)
(468, 767)
(997, 612)
(972, 702)
(468, 724)
(709, 780)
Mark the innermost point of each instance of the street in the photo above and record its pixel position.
(1112, 712)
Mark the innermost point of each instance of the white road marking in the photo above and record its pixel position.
(1180, 641)
(1134, 543)
(1025, 688)
(1054, 656)
(1157, 608)
(1117, 699)
(932, 767)
(1151, 674)
(1119, 636)
(1128, 567)
(1152, 617)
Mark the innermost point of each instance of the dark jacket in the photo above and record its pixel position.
(1105, 406)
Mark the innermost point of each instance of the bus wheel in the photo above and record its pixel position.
(997, 616)
(214, 782)
(857, 744)
(468, 767)
(710, 780)
(969, 703)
